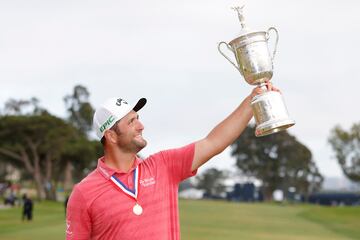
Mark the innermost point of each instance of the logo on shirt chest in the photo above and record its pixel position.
(146, 182)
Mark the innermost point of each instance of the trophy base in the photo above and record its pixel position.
(270, 113)
(268, 128)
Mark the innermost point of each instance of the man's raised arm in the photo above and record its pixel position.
(226, 132)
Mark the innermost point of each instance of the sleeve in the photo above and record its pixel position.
(178, 162)
(78, 222)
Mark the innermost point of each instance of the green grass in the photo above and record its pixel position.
(222, 220)
(48, 223)
(211, 220)
(342, 220)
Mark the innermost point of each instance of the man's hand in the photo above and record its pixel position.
(260, 89)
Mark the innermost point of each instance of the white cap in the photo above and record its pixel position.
(111, 111)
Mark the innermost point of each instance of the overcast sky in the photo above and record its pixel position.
(166, 51)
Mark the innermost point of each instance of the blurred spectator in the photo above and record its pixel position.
(27, 209)
(10, 199)
(3, 187)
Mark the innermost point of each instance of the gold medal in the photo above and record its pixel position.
(137, 209)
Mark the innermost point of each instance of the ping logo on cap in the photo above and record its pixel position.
(119, 101)
(107, 123)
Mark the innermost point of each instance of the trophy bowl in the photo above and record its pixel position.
(252, 55)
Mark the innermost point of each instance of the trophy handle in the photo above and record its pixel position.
(276, 41)
(227, 58)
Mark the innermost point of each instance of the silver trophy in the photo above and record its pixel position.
(255, 64)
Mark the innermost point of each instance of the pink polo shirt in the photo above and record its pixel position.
(98, 209)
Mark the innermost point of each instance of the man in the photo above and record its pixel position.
(129, 198)
(27, 208)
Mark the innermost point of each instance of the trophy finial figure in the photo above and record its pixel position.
(239, 11)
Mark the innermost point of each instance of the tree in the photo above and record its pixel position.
(46, 148)
(37, 143)
(80, 113)
(212, 182)
(23, 107)
(77, 157)
(79, 109)
(346, 145)
(278, 160)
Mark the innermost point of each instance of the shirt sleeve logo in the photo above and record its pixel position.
(68, 231)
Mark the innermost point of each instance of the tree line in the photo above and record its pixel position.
(52, 151)
(280, 161)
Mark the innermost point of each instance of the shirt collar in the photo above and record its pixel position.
(107, 171)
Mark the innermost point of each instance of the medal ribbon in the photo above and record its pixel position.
(132, 193)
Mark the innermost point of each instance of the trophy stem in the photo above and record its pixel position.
(263, 86)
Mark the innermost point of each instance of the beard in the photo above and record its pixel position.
(138, 144)
(134, 146)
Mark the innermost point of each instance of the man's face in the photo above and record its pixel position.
(129, 133)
